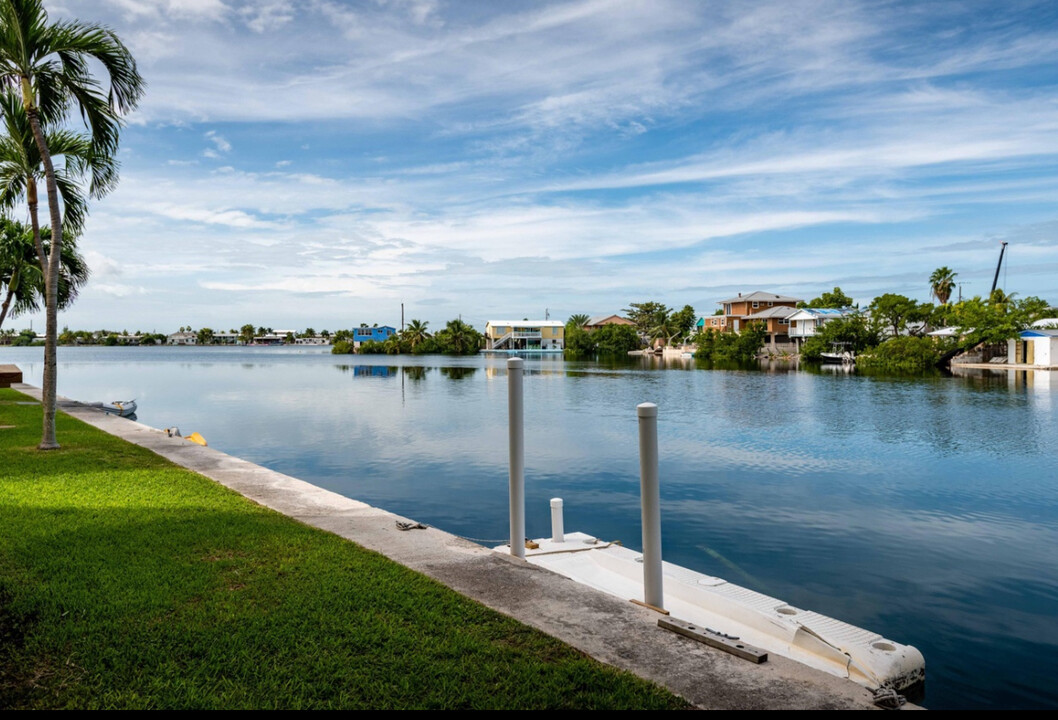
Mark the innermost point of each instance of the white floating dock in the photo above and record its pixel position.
(720, 607)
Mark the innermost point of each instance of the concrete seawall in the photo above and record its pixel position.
(616, 632)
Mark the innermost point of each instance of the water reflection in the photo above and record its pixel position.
(458, 373)
(923, 508)
(414, 372)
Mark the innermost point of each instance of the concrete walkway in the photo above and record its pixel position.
(616, 632)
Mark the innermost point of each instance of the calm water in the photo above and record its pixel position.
(922, 509)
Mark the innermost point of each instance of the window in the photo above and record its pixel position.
(784, 321)
(770, 303)
(756, 304)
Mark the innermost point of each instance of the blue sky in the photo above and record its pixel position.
(316, 163)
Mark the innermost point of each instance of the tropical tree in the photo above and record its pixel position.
(649, 317)
(896, 311)
(205, 336)
(246, 334)
(50, 64)
(20, 172)
(458, 338)
(21, 279)
(941, 283)
(415, 333)
(579, 320)
(836, 300)
(681, 322)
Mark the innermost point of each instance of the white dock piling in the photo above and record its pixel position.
(650, 498)
(516, 429)
(558, 532)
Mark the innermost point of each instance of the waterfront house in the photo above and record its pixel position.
(598, 321)
(312, 340)
(525, 335)
(378, 333)
(772, 310)
(805, 322)
(272, 338)
(741, 309)
(1035, 346)
(182, 338)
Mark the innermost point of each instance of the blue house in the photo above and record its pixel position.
(378, 334)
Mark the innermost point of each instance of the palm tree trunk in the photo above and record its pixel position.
(51, 274)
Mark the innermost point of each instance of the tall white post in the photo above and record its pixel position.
(650, 498)
(516, 428)
(558, 531)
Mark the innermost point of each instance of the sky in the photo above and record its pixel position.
(316, 163)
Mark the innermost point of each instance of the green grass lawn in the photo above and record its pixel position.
(129, 582)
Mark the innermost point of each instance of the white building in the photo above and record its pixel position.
(807, 321)
(182, 338)
(1036, 346)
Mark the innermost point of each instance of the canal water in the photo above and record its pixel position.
(923, 509)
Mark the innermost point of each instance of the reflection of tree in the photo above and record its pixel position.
(458, 373)
(414, 372)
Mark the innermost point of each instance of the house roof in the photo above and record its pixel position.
(760, 296)
(820, 313)
(1045, 323)
(602, 319)
(1040, 332)
(524, 323)
(779, 311)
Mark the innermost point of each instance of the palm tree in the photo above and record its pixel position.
(415, 332)
(578, 320)
(50, 65)
(941, 283)
(20, 171)
(21, 275)
(459, 338)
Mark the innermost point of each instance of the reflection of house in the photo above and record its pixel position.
(377, 333)
(373, 371)
(594, 323)
(768, 308)
(806, 322)
(524, 335)
(1035, 346)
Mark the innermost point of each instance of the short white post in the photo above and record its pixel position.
(650, 499)
(517, 451)
(558, 532)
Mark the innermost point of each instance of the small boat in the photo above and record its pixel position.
(121, 408)
(833, 358)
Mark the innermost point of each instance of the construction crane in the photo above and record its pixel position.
(996, 278)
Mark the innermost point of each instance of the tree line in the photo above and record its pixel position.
(455, 338)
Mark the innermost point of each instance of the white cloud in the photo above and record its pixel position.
(267, 15)
(119, 291)
(218, 141)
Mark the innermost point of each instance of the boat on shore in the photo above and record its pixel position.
(121, 408)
